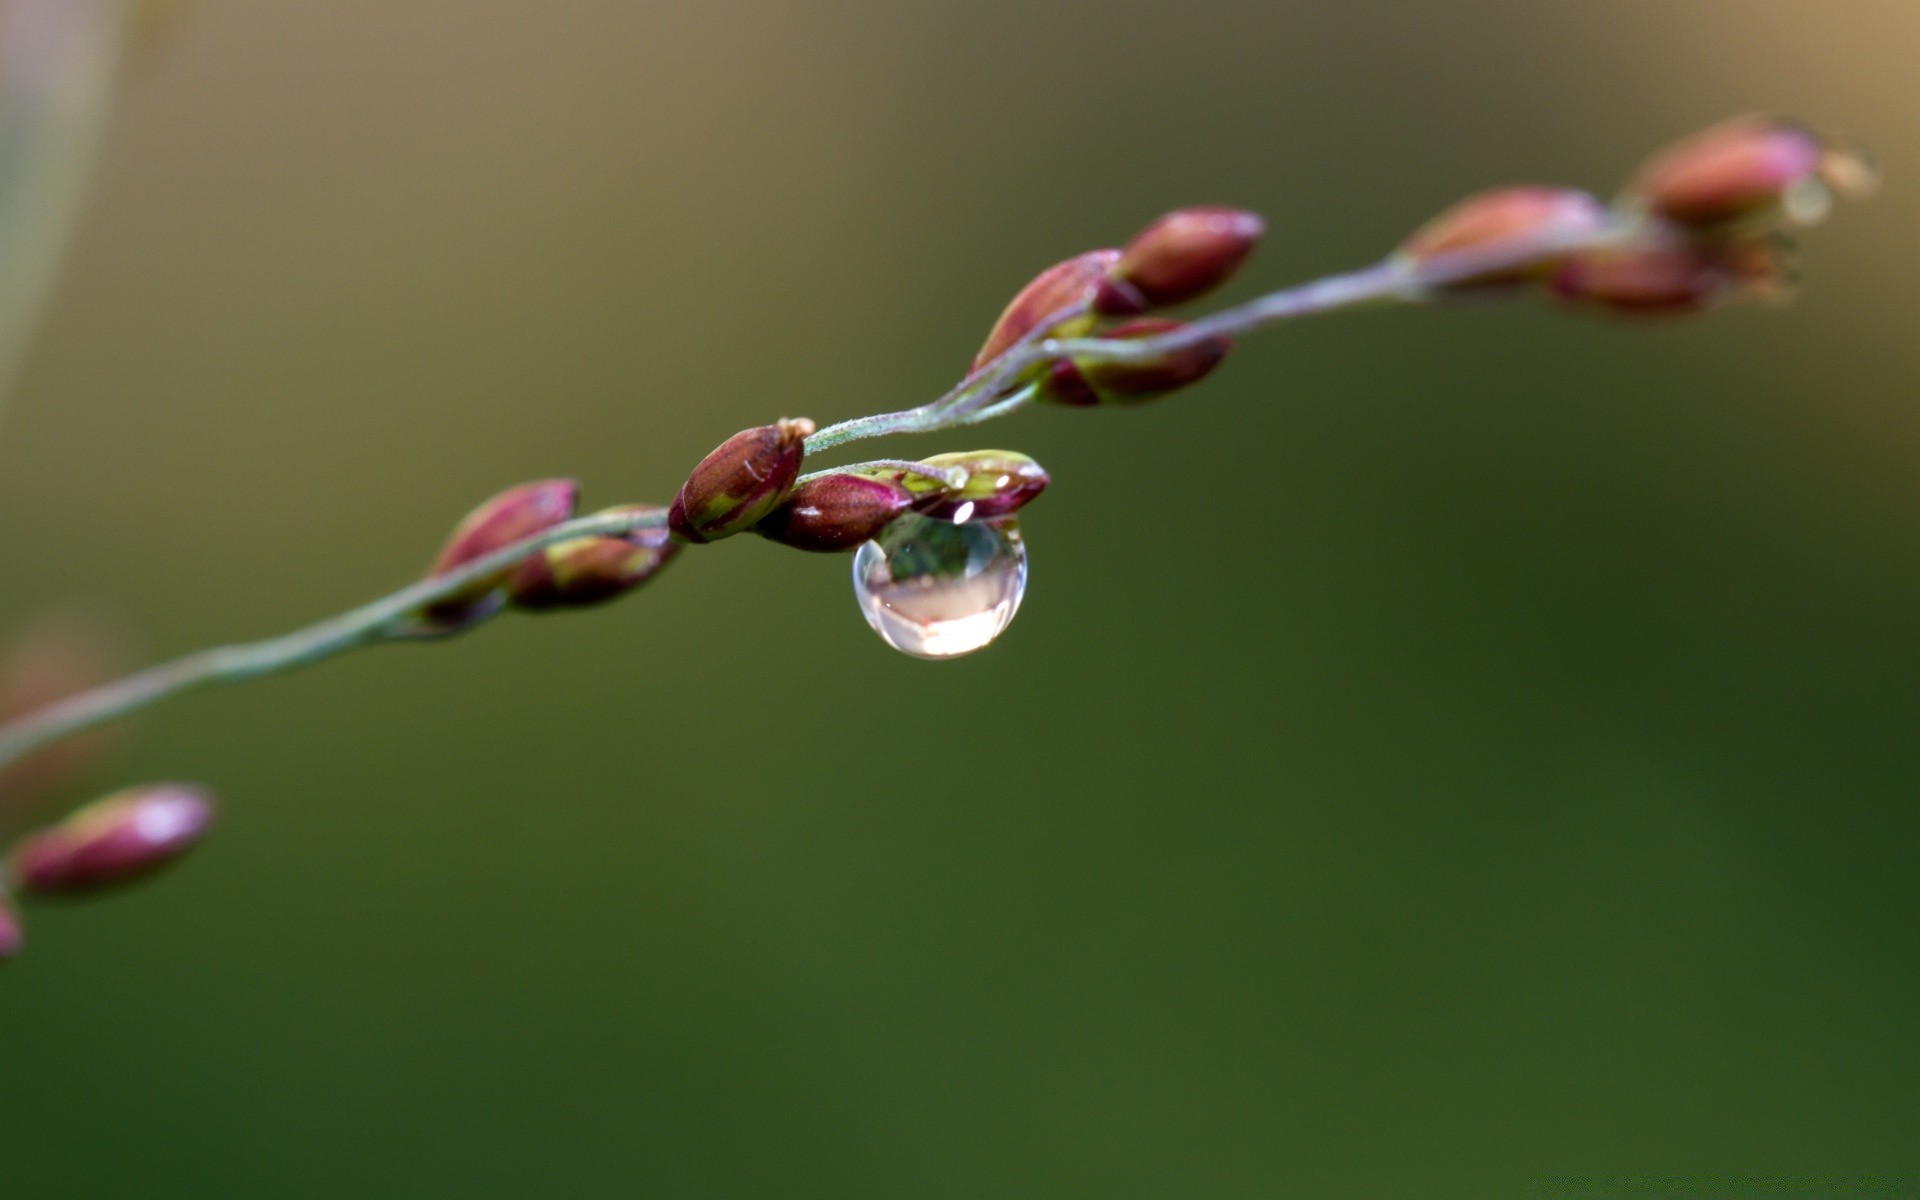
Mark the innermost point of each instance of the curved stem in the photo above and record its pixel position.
(943, 412)
(981, 396)
(1392, 280)
(1000, 408)
(384, 619)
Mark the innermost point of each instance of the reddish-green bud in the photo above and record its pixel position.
(1503, 219)
(1180, 257)
(12, 937)
(740, 482)
(994, 483)
(1067, 285)
(592, 570)
(1667, 275)
(1084, 383)
(52, 658)
(836, 512)
(1750, 169)
(114, 841)
(514, 515)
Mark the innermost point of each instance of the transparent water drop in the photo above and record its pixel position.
(940, 589)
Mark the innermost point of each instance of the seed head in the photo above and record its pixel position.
(740, 482)
(114, 841)
(1179, 257)
(1089, 381)
(1505, 218)
(51, 658)
(1667, 274)
(836, 512)
(1750, 170)
(514, 515)
(592, 570)
(992, 483)
(1069, 284)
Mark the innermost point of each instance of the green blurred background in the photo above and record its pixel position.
(1461, 752)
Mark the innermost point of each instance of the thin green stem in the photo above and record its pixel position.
(943, 413)
(981, 396)
(1393, 280)
(385, 619)
(1000, 408)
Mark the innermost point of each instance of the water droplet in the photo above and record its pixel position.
(936, 589)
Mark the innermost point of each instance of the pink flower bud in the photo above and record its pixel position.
(1664, 274)
(1180, 257)
(990, 483)
(740, 482)
(514, 515)
(592, 570)
(1508, 218)
(1752, 168)
(113, 841)
(1070, 284)
(51, 659)
(836, 512)
(12, 937)
(997, 482)
(1084, 383)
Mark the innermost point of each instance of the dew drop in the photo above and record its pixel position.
(936, 589)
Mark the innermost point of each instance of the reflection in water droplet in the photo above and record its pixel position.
(934, 589)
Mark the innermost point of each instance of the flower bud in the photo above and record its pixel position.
(1084, 383)
(1180, 257)
(1505, 219)
(995, 483)
(11, 935)
(836, 512)
(1749, 169)
(1065, 285)
(591, 570)
(1667, 275)
(52, 658)
(113, 841)
(740, 482)
(514, 515)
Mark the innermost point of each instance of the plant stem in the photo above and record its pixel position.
(943, 412)
(980, 396)
(386, 619)
(1392, 280)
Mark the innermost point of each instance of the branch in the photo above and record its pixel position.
(390, 618)
(1700, 224)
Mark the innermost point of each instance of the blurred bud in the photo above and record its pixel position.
(591, 570)
(11, 935)
(992, 484)
(1664, 274)
(54, 657)
(113, 841)
(1065, 285)
(1751, 169)
(740, 482)
(836, 512)
(1085, 382)
(1180, 257)
(1505, 219)
(514, 515)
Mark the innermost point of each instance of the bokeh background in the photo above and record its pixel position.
(1462, 752)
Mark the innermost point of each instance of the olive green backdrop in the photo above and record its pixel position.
(1451, 753)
